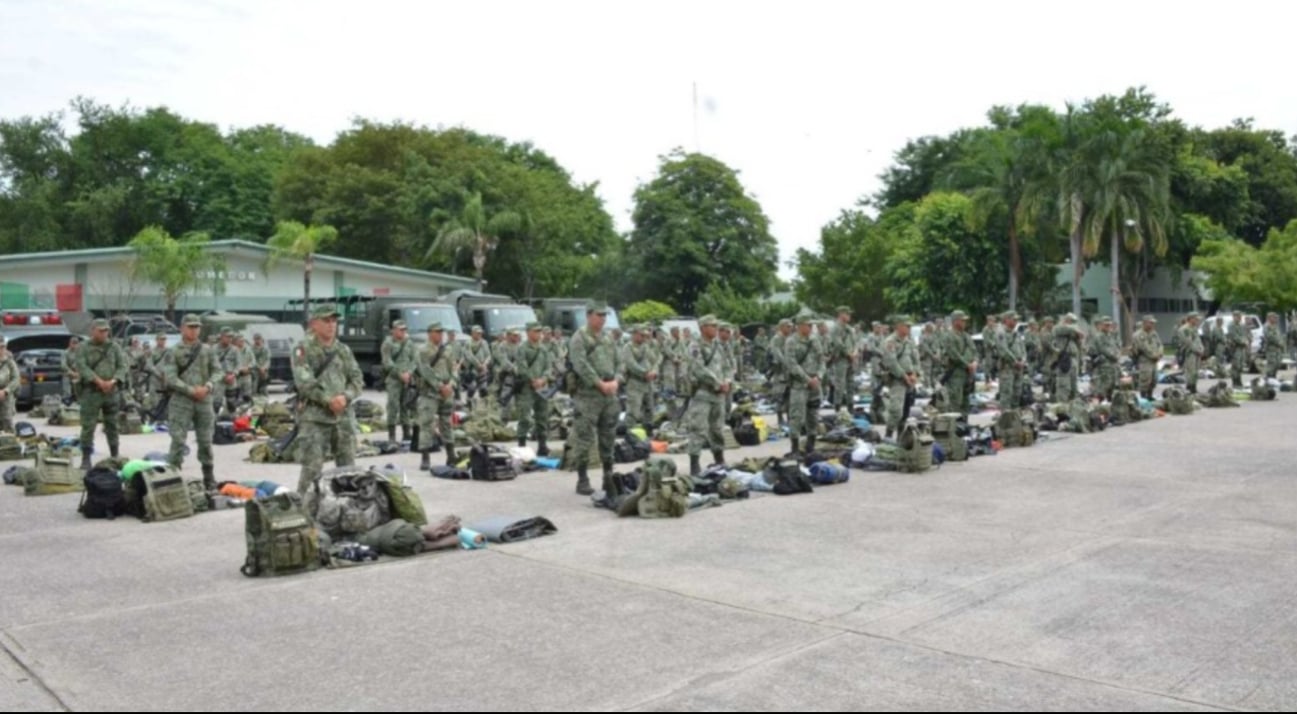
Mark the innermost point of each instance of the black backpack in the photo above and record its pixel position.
(105, 496)
(746, 434)
(490, 463)
(224, 433)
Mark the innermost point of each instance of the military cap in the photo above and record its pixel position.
(805, 319)
(959, 315)
(598, 307)
(399, 325)
(1010, 315)
(1149, 318)
(548, 330)
(1193, 316)
(192, 320)
(725, 326)
(1032, 322)
(785, 321)
(708, 320)
(100, 324)
(256, 335)
(534, 326)
(875, 324)
(477, 329)
(435, 327)
(324, 312)
(1048, 319)
(227, 330)
(844, 308)
(902, 320)
(161, 335)
(1269, 315)
(1069, 316)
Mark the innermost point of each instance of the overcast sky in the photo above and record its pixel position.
(807, 100)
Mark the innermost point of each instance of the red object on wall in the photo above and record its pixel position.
(67, 298)
(382, 292)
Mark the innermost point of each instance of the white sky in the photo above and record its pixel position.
(808, 100)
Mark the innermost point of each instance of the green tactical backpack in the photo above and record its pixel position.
(1221, 395)
(396, 538)
(662, 492)
(11, 449)
(282, 539)
(1263, 392)
(915, 449)
(165, 494)
(1178, 401)
(1125, 407)
(945, 431)
(52, 475)
(1016, 429)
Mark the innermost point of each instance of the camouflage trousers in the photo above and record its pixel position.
(840, 379)
(533, 414)
(803, 409)
(434, 421)
(640, 402)
(1105, 380)
(1192, 365)
(7, 408)
(185, 415)
(594, 421)
(1065, 385)
(706, 422)
(245, 387)
(1273, 361)
(1011, 388)
(897, 389)
(314, 439)
(97, 406)
(959, 391)
(1238, 365)
(397, 413)
(1147, 380)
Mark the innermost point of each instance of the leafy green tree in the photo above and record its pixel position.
(647, 311)
(1269, 162)
(294, 241)
(475, 233)
(176, 267)
(851, 265)
(696, 227)
(1237, 273)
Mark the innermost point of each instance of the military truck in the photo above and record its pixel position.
(493, 313)
(367, 320)
(569, 314)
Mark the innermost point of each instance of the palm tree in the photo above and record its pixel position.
(474, 231)
(1123, 185)
(295, 241)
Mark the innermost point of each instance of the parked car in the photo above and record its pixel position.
(143, 326)
(40, 373)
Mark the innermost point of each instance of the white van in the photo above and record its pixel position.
(1253, 322)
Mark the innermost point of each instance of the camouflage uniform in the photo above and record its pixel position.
(960, 354)
(1192, 348)
(106, 361)
(157, 378)
(230, 358)
(261, 368)
(1147, 349)
(247, 361)
(1011, 357)
(1240, 351)
(900, 364)
(436, 372)
(840, 351)
(1107, 356)
(640, 361)
(930, 358)
(706, 417)
(71, 381)
(1219, 346)
(1067, 347)
(778, 371)
(805, 360)
(476, 356)
(10, 379)
(594, 360)
(185, 368)
(534, 362)
(399, 358)
(1272, 347)
(319, 429)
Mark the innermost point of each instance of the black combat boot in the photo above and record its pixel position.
(391, 433)
(718, 456)
(414, 437)
(405, 432)
(796, 446)
(85, 459)
(450, 455)
(112, 450)
(522, 442)
(209, 478)
(583, 482)
(424, 462)
(695, 465)
(541, 448)
(810, 444)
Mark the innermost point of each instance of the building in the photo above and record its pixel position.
(101, 280)
(1166, 295)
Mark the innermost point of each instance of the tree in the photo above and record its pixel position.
(647, 311)
(851, 265)
(472, 231)
(175, 266)
(294, 241)
(1269, 164)
(1238, 273)
(695, 227)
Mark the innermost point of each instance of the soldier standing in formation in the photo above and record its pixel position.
(328, 380)
(229, 357)
(436, 382)
(804, 358)
(900, 364)
(779, 369)
(261, 364)
(841, 352)
(1272, 345)
(596, 366)
(476, 355)
(71, 380)
(192, 376)
(1193, 350)
(157, 378)
(102, 366)
(1068, 349)
(1147, 348)
(961, 364)
(534, 369)
(399, 356)
(641, 366)
(1011, 355)
(1239, 339)
(1107, 359)
(10, 380)
(708, 371)
(247, 363)
(930, 355)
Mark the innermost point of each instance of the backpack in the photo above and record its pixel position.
(354, 502)
(164, 492)
(827, 473)
(11, 449)
(1015, 429)
(104, 497)
(282, 539)
(406, 504)
(786, 477)
(1125, 407)
(224, 433)
(487, 462)
(949, 431)
(129, 422)
(18, 475)
(1178, 401)
(396, 537)
(1261, 392)
(50, 405)
(746, 434)
(915, 449)
(66, 416)
(663, 493)
(1221, 395)
(52, 475)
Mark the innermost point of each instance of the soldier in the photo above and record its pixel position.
(1146, 347)
(136, 384)
(778, 369)
(930, 355)
(399, 356)
(597, 366)
(873, 351)
(841, 353)
(640, 364)
(230, 358)
(1219, 345)
(1048, 356)
(706, 416)
(502, 356)
(1068, 349)
(157, 377)
(247, 363)
(900, 361)
(534, 370)
(671, 362)
(261, 364)
(683, 349)
(961, 365)
(804, 359)
(71, 380)
(730, 350)
(102, 366)
(1193, 350)
(192, 377)
(1031, 341)
(327, 379)
(10, 379)
(1240, 349)
(476, 360)
(436, 382)
(1272, 345)
(1107, 360)
(761, 351)
(1011, 356)
(990, 351)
